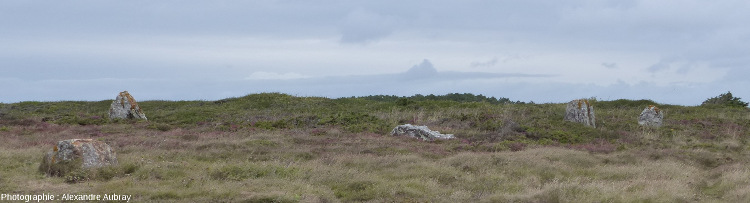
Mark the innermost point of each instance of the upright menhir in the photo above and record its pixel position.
(125, 107)
(580, 111)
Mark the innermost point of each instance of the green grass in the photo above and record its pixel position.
(280, 148)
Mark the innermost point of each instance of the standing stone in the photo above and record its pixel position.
(651, 116)
(76, 154)
(419, 132)
(125, 107)
(580, 111)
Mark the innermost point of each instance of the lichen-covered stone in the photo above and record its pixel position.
(76, 154)
(125, 107)
(651, 116)
(421, 132)
(580, 111)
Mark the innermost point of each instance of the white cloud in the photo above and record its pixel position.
(362, 26)
(489, 63)
(275, 76)
(610, 65)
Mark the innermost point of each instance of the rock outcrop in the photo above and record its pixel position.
(651, 116)
(421, 132)
(76, 154)
(580, 111)
(125, 107)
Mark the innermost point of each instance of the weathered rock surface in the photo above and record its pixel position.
(419, 132)
(580, 111)
(125, 107)
(651, 116)
(76, 154)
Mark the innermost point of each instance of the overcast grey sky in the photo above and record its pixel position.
(671, 51)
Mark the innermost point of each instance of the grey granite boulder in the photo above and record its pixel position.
(651, 116)
(76, 154)
(125, 107)
(421, 132)
(580, 111)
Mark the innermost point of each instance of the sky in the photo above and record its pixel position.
(670, 51)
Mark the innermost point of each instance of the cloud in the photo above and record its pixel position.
(490, 84)
(275, 76)
(610, 65)
(489, 63)
(423, 75)
(362, 26)
(661, 65)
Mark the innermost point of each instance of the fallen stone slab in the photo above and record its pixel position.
(421, 132)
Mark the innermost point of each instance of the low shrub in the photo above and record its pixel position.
(724, 100)
(242, 172)
(159, 126)
(624, 103)
(356, 122)
(356, 191)
(83, 119)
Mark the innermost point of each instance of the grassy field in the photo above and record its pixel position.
(280, 148)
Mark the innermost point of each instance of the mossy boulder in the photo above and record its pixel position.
(75, 155)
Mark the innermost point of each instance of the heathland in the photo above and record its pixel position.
(279, 148)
